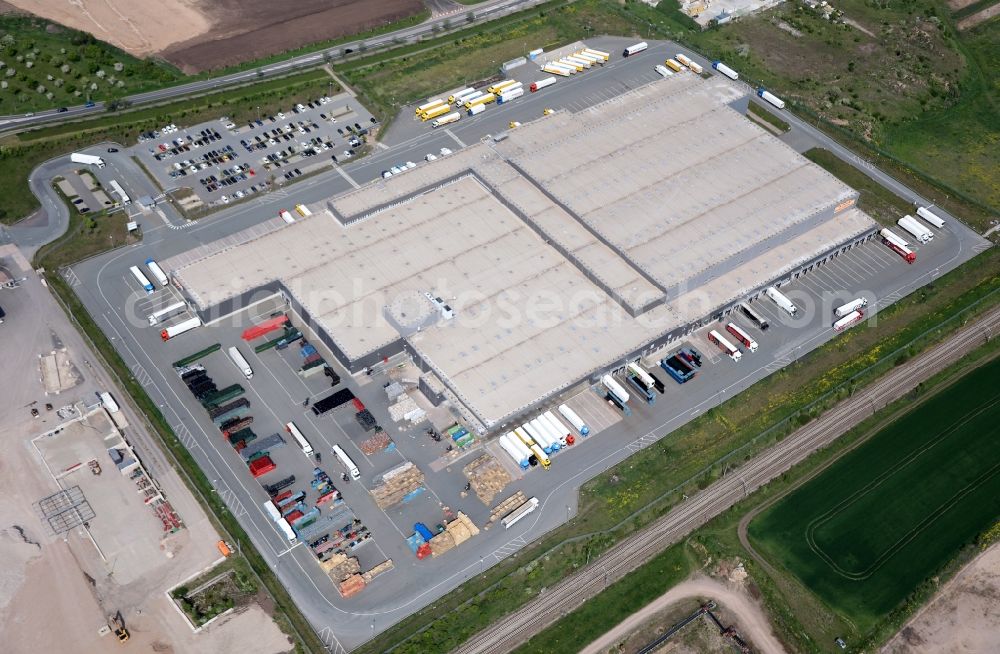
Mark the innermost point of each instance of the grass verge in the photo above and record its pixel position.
(878, 201)
(645, 486)
(768, 117)
(19, 155)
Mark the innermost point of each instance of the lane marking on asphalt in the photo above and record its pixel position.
(452, 135)
(350, 180)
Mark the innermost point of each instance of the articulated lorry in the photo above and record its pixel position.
(89, 159)
(783, 302)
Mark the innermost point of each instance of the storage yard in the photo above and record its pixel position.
(394, 384)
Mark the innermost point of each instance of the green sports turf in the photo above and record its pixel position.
(868, 530)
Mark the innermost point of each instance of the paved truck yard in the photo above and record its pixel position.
(491, 228)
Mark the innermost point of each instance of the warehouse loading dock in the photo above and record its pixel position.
(612, 224)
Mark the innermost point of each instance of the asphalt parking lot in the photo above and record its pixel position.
(222, 161)
(277, 392)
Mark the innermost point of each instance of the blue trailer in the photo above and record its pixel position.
(678, 369)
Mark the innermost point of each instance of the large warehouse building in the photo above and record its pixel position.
(516, 268)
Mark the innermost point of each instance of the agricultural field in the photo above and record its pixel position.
(868, 530)
(43, 65)
(896, 74)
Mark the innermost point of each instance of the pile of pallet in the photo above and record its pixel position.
(487, 476)
(406, 409)
(384, 566)
(396, 484)
(455, 533)
(376, 443)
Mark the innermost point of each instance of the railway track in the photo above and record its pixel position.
(512, 630)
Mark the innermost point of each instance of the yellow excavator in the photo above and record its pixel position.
(117, 625)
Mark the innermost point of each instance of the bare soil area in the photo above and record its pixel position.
(979, 17)
(243, 30)
(749, 619)
(139, 28)
(198, 35)
(964, 617)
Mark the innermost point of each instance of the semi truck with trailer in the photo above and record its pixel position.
(852, 306)
(180, 328)
(850, 319)
(446, 120)
(166, 312)
(89, 159)
(427, 106)
(693, 65)
(477, 109)
(771, 98)
(571, 70)
(574, 419)
(304, 444)
(347, 462)
(541, 438)
(542, 427)
(241, 363)
(117, 189)
(897, 244)
(434, 112)
(673, 65)
(562, 432)
(635, 49)
(483, 99)
(580, 63)
(727, 348)
(598, 53)
(553, 70)
(498, 88)
(918, 231)
(158, 273)
(460, 96)
(519, 513)
(542, 83)
(142, 279)
(725, 70)
(586, 56)
(513, 452)
(678, 369)
(742, 336)
(536, 451)
(519, 445)
(754, 317)
(783, 302)
(510, 94)
(931, 217)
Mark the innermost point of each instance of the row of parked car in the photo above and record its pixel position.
(229, 176)
(398, 168)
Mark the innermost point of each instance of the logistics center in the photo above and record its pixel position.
(521, 266)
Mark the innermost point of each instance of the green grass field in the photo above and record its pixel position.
(865, 533)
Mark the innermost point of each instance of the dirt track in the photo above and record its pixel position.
(750, 620)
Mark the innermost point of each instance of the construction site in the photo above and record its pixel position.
(517, 268)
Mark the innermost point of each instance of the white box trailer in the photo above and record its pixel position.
(918, 231)
(562, 431)
(930, 217)
(520, 512)
(512, 451)
(180, 328)
(779, 298)
(460, 96)
(725, 70)
(542, 83)
(663, 70)
(446, 120)
(574, 419)
(89, 159)
(165, 312)
(598, 53)
(850, 319)
(157, 272)
(616, 388)
(851, 307)
(554, 70)
(237, 358)
(767, 96)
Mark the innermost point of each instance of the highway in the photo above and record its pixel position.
(506, 634)
(482, 13)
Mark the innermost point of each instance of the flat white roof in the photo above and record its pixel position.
(572, 243)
